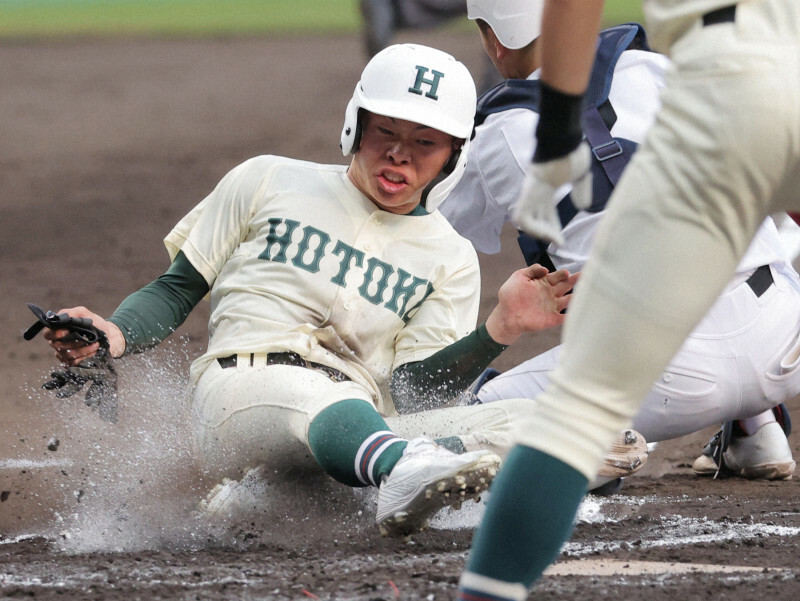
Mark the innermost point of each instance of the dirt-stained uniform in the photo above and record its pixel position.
(329, 286)
(344, 283)
(299, 260)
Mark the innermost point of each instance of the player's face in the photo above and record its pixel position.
(396, 160)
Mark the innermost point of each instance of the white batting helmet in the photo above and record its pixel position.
(420, 84)
(516, 23)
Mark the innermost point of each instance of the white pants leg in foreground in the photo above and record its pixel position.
(722, 155)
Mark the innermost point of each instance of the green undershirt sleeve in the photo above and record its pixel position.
(155, 311)
(440, 378)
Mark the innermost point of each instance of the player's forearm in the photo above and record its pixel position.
(441, 377)
(568, 40)
(568, 48)
(145, 320)
(149, 315)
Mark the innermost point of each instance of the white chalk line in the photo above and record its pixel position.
(618, 567)
(30, 464)
(85, 579)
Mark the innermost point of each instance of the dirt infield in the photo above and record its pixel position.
(105, 145)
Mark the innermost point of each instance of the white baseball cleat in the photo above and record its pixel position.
(426, 479)
(765, 455)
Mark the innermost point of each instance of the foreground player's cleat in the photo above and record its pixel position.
(765, 455)
(627, 456)
(426, 479)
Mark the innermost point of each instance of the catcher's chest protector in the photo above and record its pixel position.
(610, 155)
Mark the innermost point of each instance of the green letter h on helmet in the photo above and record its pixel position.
(433, 83)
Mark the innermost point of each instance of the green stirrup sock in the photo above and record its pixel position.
(352, 443)
(529, 516)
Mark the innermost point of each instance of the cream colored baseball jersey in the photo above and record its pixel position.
(298, 259)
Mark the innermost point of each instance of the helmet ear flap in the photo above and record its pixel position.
(351, 132)
(455, 156)
(356, 138)
(447, 180)
(357, 134)
(451, 163)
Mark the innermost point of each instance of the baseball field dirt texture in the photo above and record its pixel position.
(105, 144)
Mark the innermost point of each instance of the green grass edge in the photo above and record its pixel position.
(197, 18)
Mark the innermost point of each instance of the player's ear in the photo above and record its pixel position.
(497, 48)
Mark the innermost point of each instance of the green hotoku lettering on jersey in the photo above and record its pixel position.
(386, 270)
(313, 248)
(282, 241)
(403, 290)
(433, 83)
(407, 315)
(310, 232)
(345, 263)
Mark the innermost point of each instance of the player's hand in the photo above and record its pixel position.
(535, 212)
(72, 352)
(532, 299)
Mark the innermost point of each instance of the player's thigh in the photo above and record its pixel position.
(741, 360)
(774, 353)
(260, 415)
(691, 394)
(526, 380)
(765, 339)
(685, 398)
(481, 426)
(732, 106)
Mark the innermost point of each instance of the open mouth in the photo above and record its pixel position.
(392, 182)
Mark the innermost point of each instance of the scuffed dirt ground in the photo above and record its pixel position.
(105, 145)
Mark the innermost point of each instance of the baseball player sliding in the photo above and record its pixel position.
(720, 157)
(327, 283)
(737, 363)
